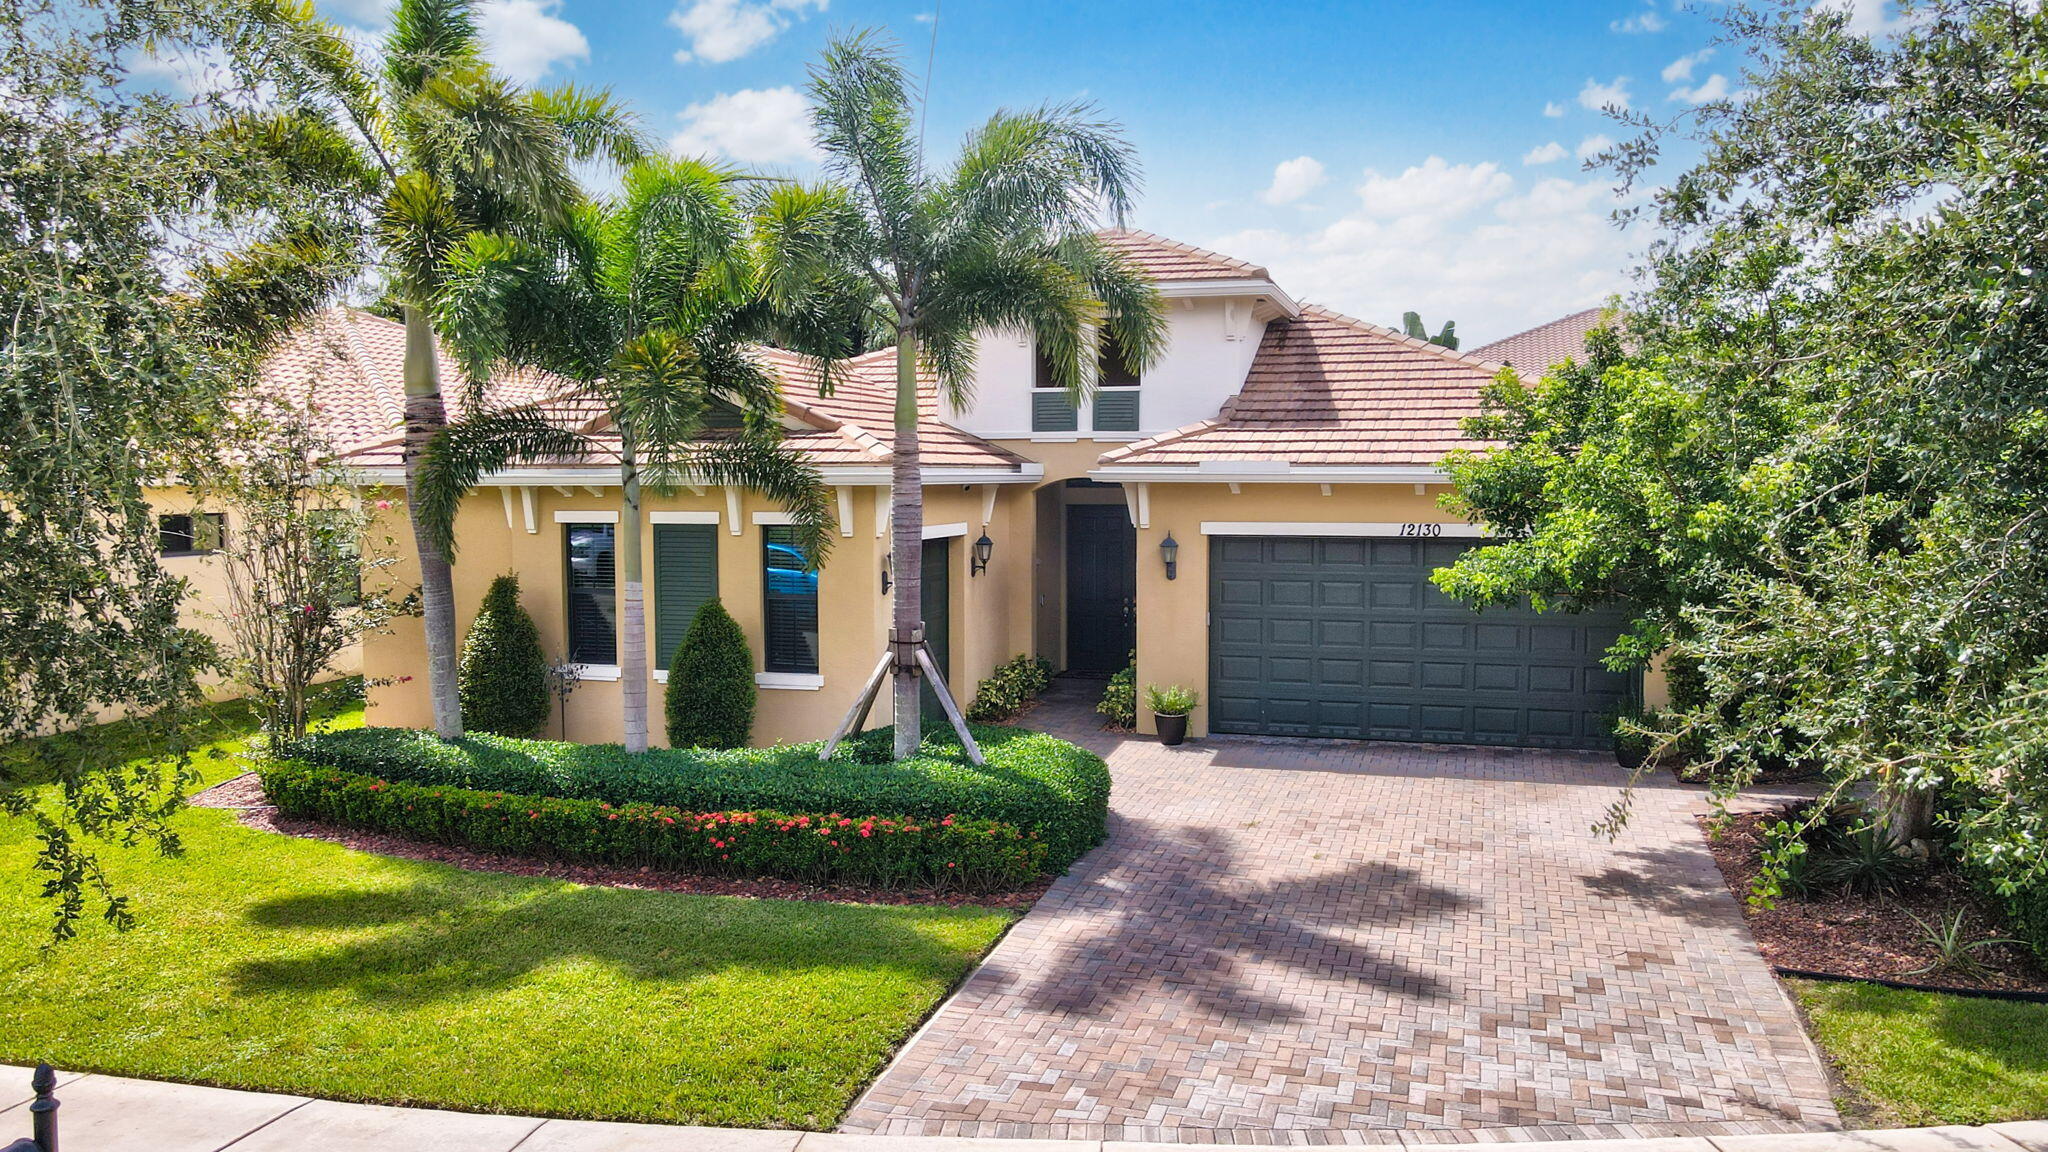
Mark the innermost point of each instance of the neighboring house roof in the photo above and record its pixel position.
(350, 365)
(1546, 344)
(1327, 390)
(1169, 260)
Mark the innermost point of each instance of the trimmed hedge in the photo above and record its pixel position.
(710, 698)
(502, 679)
(951, 852)
(1015, 683)
(1032, 781)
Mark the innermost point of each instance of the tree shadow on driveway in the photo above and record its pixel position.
(1182, 917)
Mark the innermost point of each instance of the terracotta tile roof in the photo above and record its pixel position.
(350, 365)
(1546, 344)
(1164, 259)
(1327, 390)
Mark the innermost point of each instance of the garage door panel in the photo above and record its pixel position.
(1347, 637)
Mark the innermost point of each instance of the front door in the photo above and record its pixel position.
(1102, 587)
(935, 604)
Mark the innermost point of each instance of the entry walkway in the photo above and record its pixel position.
(1335, 941)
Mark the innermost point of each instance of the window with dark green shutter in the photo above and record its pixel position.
(790, 603)
(590, 557)
(1116, 410)
(685, 577)
(1052, 412)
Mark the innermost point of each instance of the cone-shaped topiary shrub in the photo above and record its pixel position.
(711, 683)
(502, 680)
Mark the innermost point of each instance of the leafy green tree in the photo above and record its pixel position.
(711, 683)
(150, 254)
(1818, 470)
(504, 674)
(1411, 323)
(1002, 238)
(646, 301)
(452, 149)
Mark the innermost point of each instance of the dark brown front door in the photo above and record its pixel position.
(1101, 587)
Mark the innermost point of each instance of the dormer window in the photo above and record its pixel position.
(1116, 395)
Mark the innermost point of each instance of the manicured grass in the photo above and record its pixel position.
(268, 962)
(1920, 1058)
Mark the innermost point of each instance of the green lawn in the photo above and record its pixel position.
(1920, 1058)
(268, 962)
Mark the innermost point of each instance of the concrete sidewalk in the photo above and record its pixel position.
(115, 1114)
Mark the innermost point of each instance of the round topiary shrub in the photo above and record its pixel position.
(711, 683)
(502, 680)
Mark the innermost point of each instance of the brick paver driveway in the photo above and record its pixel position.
(1338, 941)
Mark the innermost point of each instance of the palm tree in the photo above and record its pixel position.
(646, 301)
(1003, 238)
(454, 149)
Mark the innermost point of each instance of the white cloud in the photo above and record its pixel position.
(1293, 179)
(1647, 20)
(525, 38)
(1548, 154)
(182, 68)
(1598, 96)
(1681, 69)
(720, 30)
(1497, 263)
(1714, 87)
(1553, 109)
(751, 126)
(1434, 186)
(1592, 146)
(368, 13)
(1866, 17)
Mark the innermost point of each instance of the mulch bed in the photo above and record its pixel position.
(245, 793)
(1864, 937)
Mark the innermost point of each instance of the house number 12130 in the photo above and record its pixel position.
(1422, 529)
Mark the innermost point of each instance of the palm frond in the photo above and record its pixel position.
(1008, 289)
(862, 117)
(1031, 175)
(496, 150)
(595, 126)
(320, 61)
(472, 307)
(418, 228)
(658, 396)
(681, 244)
(256, 295)
(300, 148)
(775, 470)
(428, 37)
(463, 453)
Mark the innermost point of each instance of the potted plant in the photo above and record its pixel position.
(1170, 707)
(1632, 739)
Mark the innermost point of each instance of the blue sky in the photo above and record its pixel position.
(1377, 157)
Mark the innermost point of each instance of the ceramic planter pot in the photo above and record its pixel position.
(1172, 729)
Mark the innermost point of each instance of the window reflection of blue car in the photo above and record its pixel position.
(786, 574)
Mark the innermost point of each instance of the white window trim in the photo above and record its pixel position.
(764, 519)
(942, 531)
(790, 681)
(602, 673)
(1430, 529)
(610, 516)
(682, 517)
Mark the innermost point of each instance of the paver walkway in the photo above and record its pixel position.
(1342, 940)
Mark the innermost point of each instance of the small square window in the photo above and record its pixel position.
(191, 534)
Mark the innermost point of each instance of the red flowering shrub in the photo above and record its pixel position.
(892, 851)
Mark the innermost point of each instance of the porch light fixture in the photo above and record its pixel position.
(1169, 551)
(983, 549)
(885, 574)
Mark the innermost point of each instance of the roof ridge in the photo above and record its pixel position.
(359, 359)
(1192, 250)
(1404, 338)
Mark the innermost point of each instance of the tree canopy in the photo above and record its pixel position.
(1814, 454)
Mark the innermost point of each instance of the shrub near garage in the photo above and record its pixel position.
(1032, 781)
(950, 852)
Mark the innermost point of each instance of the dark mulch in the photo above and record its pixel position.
(1865, 937)
(246, 794)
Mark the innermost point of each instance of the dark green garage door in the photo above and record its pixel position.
(1339, 636)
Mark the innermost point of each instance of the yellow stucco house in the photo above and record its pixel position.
(1256, 518)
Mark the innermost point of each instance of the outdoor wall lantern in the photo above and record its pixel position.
(1169, 551)
(983, 549)
(885, 574)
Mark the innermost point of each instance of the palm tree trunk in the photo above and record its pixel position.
(426, 415)
(633, 613)
(906, 504)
